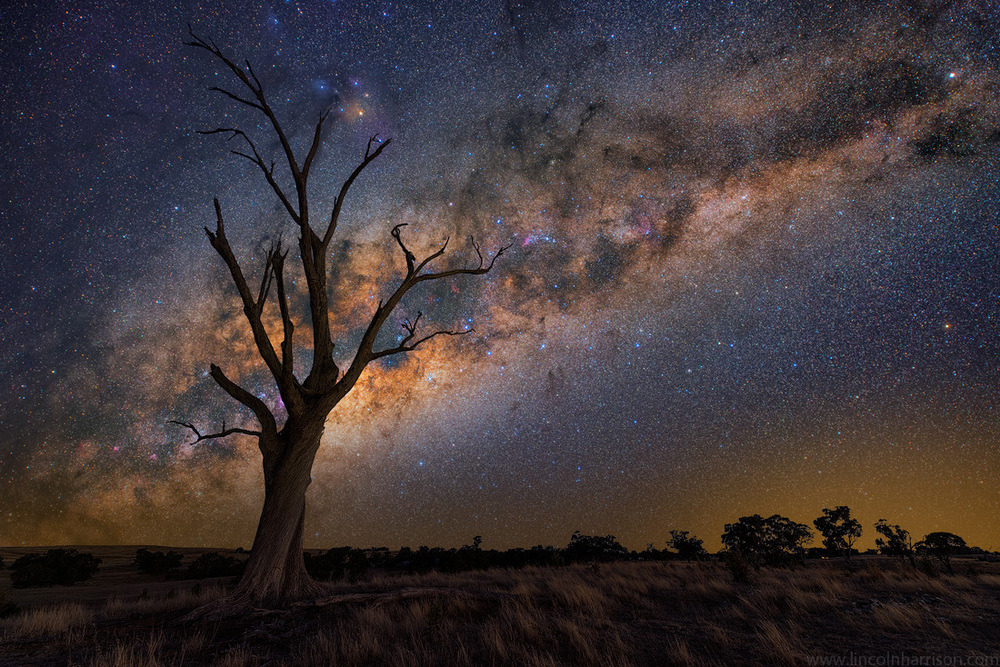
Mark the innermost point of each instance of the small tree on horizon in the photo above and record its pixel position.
(895, 541)
(686, 545)
(589, 548)
(775, 540)
(942, 546)
(839, 530)
(289, 439)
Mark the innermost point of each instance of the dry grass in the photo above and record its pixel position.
(621, 614)
(445, 629)
(46, 622)
(899, 617)
(145, 605)
(143, 652)
(779, 642)
(237, 657)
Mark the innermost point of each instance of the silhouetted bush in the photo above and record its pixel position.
(651, 553)
(537, 556)
(157, 562)
(895, 541)
(686, 545)
(942, 546)
(63, 567)
(839, 531)
(469, 557)
(590, 548)
(357, 565)
(329, 566)
(215, 565)
(776, 540)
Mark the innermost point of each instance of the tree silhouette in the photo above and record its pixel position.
(64, 567)
(275, 572)
(942, 546)
(839, 530)
(771, 541)
(895, 541)
(589, 548)
(686, 545)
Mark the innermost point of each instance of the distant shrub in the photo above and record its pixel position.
(839, 530)
(328, 566)
(686, 545)
(776, 540)
(942, 546)
(63, 567)
(215, 565)
(157, 562)
(588, 548)
(894, 541)
(357, 565)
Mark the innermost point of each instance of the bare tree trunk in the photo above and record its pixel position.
(276, 574)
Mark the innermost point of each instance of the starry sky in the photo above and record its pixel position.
(755, 266)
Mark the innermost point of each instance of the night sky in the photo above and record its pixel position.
(755, 266)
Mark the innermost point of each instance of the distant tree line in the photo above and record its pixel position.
(749, 543)
(62, 567)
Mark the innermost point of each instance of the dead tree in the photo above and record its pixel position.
(275, 573)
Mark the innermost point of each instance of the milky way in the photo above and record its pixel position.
(755, 267)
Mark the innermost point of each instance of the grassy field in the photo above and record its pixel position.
(612, 614)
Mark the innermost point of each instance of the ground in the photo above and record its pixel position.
(645, 613)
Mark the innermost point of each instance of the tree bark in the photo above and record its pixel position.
(276, 575)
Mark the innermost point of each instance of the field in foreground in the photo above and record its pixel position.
(617, 613)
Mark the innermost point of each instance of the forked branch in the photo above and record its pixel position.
(255, 158)
(249, 79)
(411, 331)
(370, 155)
(199, 436)
(414, 276)
(480, 269)
(251, 308)
(288, 327)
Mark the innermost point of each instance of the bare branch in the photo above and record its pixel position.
(250, 307)
(257, 406)
(314, 147)
(249, 79)
(370, 155)
(410, 257)
(478, 271)
(199, 436)
(411, 331)
(430, 258)
(288, 327)
(237, 98)
(260, 87)
(256, 158)
(365, 353)
(266, 279)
